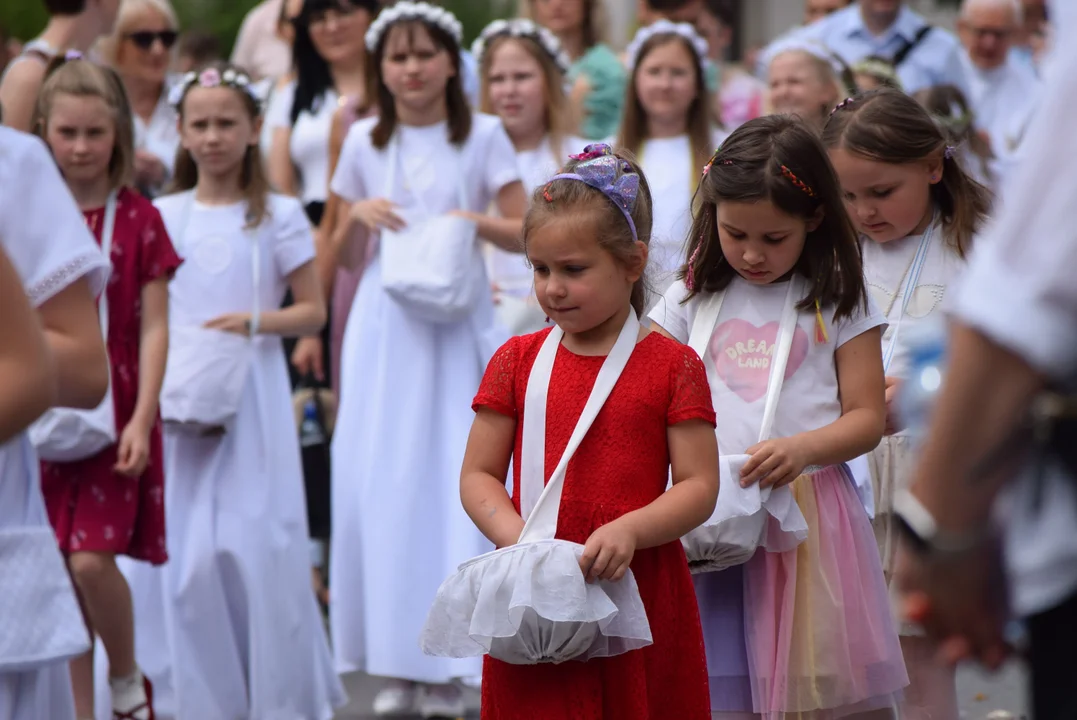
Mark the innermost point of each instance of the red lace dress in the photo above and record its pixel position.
(91, 507)
(621, 466)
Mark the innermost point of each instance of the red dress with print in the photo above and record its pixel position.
(622, 465)
(93, 508)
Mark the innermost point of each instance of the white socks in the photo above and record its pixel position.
(129, 693)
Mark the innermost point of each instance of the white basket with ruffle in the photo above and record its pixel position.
(746, 519)
(530, 603)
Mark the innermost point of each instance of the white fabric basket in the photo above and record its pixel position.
(740, 523)
(66, 434)
(433, 266)
(43, 623)
(518, 315)
(530, 603)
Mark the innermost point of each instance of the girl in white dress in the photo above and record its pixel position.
(229, 628)
(917, 211)
(61, 270)
(667, 124)
(408, 377)
(523, 69)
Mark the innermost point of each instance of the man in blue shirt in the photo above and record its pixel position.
(925, 56)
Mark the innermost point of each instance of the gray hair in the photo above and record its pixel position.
(967, 6)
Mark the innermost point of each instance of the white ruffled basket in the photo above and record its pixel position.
(530, 603)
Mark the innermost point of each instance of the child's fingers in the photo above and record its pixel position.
(587, 559)
(620, 571)
(765, 468)
(602, 562)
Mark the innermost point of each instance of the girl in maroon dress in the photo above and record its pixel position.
(587, 241)
(112, 503)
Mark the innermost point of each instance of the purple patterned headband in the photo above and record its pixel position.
(613, 177)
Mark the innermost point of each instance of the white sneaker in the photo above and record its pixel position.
(441, 701)
(397, 699)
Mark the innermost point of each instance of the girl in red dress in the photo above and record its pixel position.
(587, 243)
(112, 503)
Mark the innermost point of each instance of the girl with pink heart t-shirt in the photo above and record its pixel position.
(807, 632)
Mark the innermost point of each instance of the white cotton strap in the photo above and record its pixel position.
(707, 319)
(906, 287)
(180, 244)
(108, 228)
(540, 506)
(393, 160)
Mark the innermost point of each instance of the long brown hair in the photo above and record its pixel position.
(889, 126)
(950, 109)
(252, 179)
(82, 78)
(553, 83)
(459, 112)
(563, 198)
(633, 131)
(779, 159)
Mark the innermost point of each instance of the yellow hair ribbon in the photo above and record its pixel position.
(821, 335)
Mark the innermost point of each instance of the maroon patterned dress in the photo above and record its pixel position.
(93, 508)
(621, 465)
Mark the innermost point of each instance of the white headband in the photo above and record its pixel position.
(522, 28)
(211, 78)
(665, 27)
(403, 11)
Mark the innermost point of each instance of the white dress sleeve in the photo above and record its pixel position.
(41, 228)
(279, 110)
(864, 319)
(499, 167)
(293, 240)
(672, 313)
(347, 181)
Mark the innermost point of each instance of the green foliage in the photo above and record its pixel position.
(26, 18)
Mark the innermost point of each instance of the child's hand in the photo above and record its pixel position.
(774, 462)
(893, 387)
(307, 357)
(133, 451)
(608, 552)
(238, 323)
(377, 213)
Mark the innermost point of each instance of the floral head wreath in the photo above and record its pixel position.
(666, 27)
(211, 78)
(522, 28)
(404, 11)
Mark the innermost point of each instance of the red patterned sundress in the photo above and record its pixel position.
(93, 508)
(622, 465)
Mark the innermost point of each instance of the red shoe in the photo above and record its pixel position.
(132, 714)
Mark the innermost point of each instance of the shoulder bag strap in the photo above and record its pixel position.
(780, 359)
(108, 228)
(710, 307)
(906, 49)
(541, 521)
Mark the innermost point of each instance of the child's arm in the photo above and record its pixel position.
(482, 479)
(281, 170)
(134, 444)
(506, 230)
(27, 374)
(693, 452)
(19, 92)
(861, 387)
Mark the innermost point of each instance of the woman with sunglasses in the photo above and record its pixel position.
(140, 50)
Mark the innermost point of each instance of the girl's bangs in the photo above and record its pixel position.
(393, 36)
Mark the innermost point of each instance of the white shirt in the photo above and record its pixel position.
(430, 170)
(1003, 101)
(309, 146)
(160, 136)
(739, 353)
(1019, 290)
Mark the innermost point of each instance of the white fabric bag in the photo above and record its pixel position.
(519, 315)
(207, 369)
(43, 620)
(530, 603)
(741, 522)
(66, 434)
(433, 265)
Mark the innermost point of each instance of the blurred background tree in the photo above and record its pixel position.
(25, 18)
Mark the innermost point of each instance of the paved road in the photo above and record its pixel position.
(980, 694)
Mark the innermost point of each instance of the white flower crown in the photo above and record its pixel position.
(665, 27)
(211, 78)
(522, 28)
(430, 14)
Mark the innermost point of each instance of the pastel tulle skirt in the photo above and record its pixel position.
(807, 633)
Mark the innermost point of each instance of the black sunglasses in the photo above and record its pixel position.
(144, 38)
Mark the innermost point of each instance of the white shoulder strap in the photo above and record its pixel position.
(108, 228)
(540, 506)
(705, 321)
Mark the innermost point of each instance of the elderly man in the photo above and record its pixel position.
(1002, 89)
(924, 55)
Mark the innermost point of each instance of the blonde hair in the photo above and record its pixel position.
(594, 20)
(109, 46)
(842, 83)
(556, 103)
(81, 78)
(253, 179)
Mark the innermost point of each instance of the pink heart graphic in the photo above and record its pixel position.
(742, 354)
